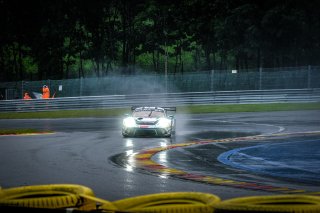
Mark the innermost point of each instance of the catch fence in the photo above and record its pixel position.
(306, 77)
(163, 99)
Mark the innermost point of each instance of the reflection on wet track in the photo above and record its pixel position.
(197, 161)
(92, 152)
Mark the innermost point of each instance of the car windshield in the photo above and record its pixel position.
(148, 113)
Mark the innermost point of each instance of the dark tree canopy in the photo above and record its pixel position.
(61, 39)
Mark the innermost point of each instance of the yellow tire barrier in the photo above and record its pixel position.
(271, 203)
(176, 202)
(52, 196)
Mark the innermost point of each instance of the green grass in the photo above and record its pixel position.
(250, 107)
(182, 109)
(64, 114)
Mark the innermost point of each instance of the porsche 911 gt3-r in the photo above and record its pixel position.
(153, 121)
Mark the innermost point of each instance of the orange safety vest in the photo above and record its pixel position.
(45, 92)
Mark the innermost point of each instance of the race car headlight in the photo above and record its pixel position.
(164, 123)
(129, 122)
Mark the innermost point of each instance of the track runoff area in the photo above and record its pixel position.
(266, 157)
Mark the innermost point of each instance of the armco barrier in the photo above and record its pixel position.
(168, 99)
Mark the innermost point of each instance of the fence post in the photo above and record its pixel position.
(80, 93)
(260, 78)
(212, 75)
(22, 89)
(309, 76)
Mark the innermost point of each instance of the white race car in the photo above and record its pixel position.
(149, 121)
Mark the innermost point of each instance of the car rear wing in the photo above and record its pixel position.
(135, 107)
(170, 108)
(165, 108)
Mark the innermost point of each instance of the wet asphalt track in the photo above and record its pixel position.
(91, 151)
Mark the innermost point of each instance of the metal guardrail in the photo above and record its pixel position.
(167, 99)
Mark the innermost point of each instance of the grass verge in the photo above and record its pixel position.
(250, 107)
(193, 109)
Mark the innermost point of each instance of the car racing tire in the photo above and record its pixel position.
(124, 134)
(173, 129)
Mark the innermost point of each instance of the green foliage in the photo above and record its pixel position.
(31, 67)
(81, 38)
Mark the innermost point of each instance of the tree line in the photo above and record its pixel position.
(61, 39)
